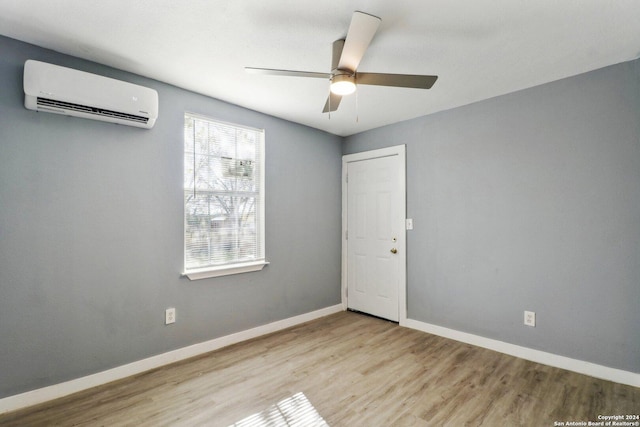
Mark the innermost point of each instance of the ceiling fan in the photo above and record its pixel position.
(347, 54)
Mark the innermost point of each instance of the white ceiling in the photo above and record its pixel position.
(479, 49)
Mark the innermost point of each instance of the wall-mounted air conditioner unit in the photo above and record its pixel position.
(61, 90)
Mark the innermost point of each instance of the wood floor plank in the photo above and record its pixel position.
(346, 369)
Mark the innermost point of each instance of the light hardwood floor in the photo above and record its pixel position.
(346, 369)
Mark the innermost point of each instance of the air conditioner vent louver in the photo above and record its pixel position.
(52, 103)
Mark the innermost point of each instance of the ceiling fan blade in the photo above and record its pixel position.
(286, 73)
(333, 101)
(397, 80)
(361, 31)
(336, 50)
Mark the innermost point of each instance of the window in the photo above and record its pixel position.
(223, 198)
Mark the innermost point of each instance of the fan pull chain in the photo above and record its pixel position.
(357, 111)
(329, 100)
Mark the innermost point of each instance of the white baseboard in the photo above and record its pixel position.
(55, 391)
(575, 365)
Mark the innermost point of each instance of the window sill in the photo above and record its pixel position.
(226, 270)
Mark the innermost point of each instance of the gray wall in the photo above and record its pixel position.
(529, 201)
(91, 246)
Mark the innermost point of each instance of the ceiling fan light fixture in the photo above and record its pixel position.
(343, 84)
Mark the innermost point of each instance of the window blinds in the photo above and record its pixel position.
(223, 193)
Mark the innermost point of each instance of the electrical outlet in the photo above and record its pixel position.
(530, 318)
(169, 316)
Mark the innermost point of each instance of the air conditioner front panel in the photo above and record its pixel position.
(62, 90)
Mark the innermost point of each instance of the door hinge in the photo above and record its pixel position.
(346, 178)
(346, 235)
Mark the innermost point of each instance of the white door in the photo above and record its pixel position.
(375, 232)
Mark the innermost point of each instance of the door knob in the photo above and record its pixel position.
(394, 251)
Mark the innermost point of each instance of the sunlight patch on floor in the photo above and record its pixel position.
(295, 410)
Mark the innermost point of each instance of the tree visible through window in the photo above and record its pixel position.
(223, 194)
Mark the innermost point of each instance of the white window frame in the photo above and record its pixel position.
(233, 267)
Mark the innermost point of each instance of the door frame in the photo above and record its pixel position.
(400, 151)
